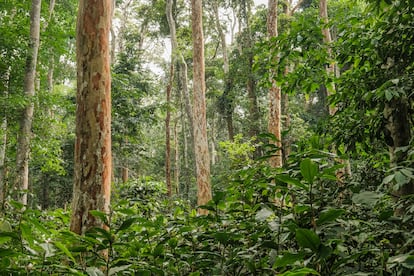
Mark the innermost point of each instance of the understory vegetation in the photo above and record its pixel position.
(300, 220)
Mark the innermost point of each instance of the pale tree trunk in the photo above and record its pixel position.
(275, 110)
(167, 131)
(177, 57)
(3, 144)
(3, 148)
(93, 160)
(177, 159)
(113, 36)
(202, 157)
(23, 144)
(327, 39)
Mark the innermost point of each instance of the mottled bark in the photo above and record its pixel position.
(199, 108)
(25, 134)
(93, 160)
(275, 109)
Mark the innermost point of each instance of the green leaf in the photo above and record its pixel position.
(309, 170)
(288, 259)
(218, 196)
(27, 233)
(4, 239)
(300, 272)
(366, 198)
(65, 250)
(5, 226)
(329, 215)
(117, 269)
(307, 239)
(291, 181)
(94, 271)
(101, 215)
(405, 260)
(158, 250)
(126, 224)
(388, 179)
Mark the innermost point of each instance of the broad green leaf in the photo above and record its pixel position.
(307, 239)
(117, 269)
(158, 250)
(101, 215)
(65, 250)
(5, 226)
(37, 225)
(94, 271)
(388, 179)
(218, 196)
(309, 170)
(291, 181)
(126, 224)
(27, 233)
(401, 179)
(4, 239)
(366, 198)
(329, 215)
(301, 272)
(288, 259)
(405, 260)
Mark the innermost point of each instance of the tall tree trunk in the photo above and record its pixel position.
(275, 109)
(167, 131)
(199, 108)
(93, 160)
(3, 148)
(177, 159)
(3, 143)
(23, 148)
(327, 39)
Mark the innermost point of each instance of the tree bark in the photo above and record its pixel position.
(275, 109)
(177, 170)
(168, 132)
(93, 160)
(199, 108)
(327, 39)
(3, 148)
(23, 148)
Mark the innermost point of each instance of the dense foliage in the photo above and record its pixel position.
(305, 218)
(295, 221)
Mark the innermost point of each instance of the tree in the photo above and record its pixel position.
(23, 145)
(199, 109)
(93, 164)
(275, 121)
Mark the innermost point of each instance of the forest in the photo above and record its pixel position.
(217, 137)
